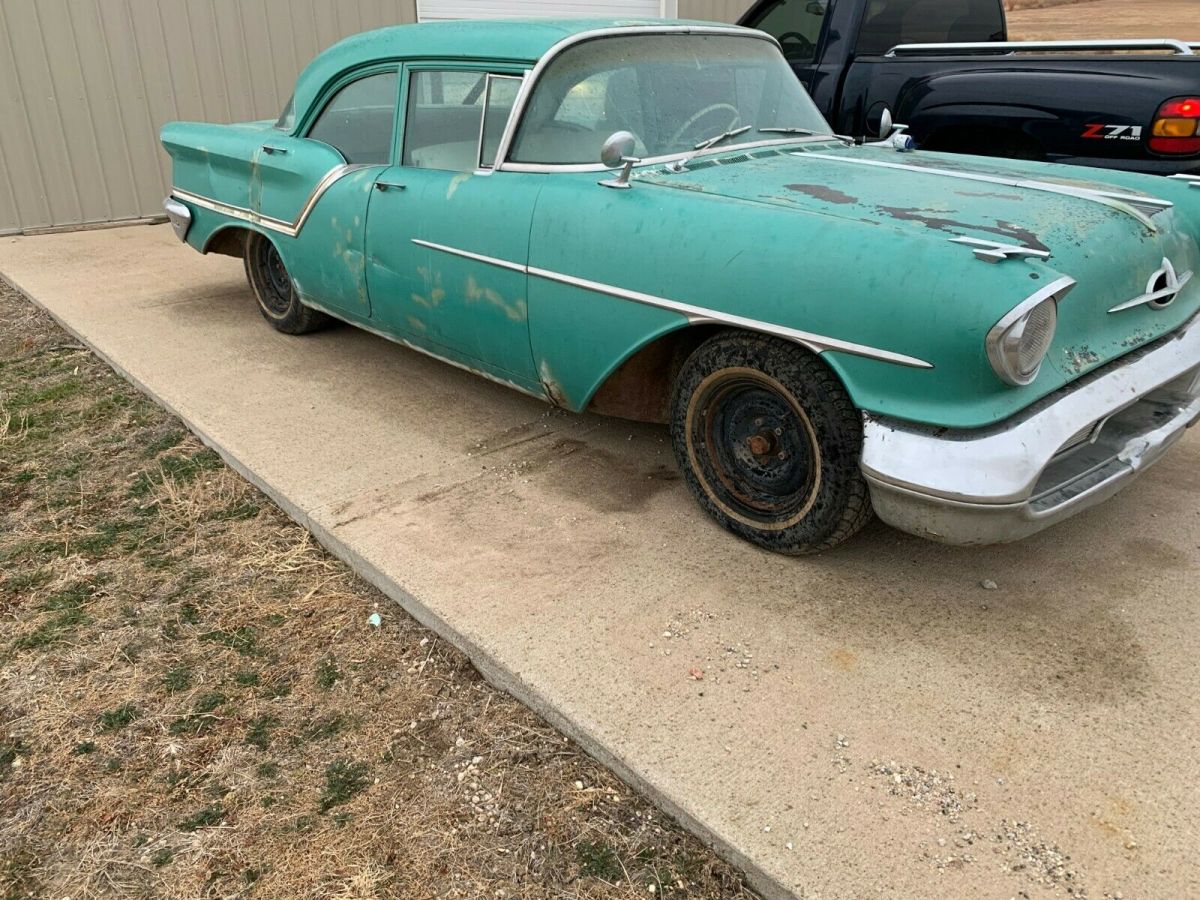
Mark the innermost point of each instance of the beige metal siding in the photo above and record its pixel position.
(713, 10)
(85, 86)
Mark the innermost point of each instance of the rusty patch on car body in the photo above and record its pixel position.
(821, 192)
(931, 219)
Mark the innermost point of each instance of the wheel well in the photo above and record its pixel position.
(640, 388)
(985, 140)
(228, 241)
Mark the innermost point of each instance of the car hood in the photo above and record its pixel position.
(1111, 239)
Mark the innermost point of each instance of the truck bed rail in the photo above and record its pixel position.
(1177, 48)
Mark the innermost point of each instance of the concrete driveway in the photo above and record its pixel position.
(872, 722)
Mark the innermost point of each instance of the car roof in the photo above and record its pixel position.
(499, 40)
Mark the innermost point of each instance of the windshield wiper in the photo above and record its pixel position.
(806, 132)
(723, 136)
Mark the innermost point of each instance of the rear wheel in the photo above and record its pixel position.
(278, 299)
(769, 443)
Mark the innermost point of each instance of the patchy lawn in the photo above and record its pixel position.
(194, 703)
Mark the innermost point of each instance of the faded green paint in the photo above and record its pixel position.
(790, 235)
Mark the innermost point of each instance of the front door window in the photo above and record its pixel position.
(455, 119)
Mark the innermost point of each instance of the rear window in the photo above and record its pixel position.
(887, 23)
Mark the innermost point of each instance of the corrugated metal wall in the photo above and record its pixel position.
(86, 84)
(713, 10)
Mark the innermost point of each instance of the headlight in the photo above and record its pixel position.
(1017, 344)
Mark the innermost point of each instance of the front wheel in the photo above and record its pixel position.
(278, 299)
(769, 443)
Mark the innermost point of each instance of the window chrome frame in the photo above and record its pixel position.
(492, 77)
(534, 76)
(303, 129)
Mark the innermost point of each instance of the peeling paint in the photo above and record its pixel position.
(930, 219)
(1080, 358)
(821, 192)
(515, 311)
(455, 183)
(554, 390)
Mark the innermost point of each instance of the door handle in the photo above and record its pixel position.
(270, 148)
(389, 186)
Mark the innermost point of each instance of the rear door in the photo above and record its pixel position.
(345, 146)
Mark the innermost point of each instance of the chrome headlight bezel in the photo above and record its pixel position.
(1004, 339)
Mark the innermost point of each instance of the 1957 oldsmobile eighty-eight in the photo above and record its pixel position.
(652, 220)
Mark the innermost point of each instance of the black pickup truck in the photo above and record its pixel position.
(946, 70)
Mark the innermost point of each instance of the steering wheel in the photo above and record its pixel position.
(801, 47)
(691, 123)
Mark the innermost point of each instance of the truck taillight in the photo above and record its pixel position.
(1176, 127)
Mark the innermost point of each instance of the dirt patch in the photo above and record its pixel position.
(197, 699)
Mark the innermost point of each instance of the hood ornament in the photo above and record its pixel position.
(995, 251)
(1163, 287)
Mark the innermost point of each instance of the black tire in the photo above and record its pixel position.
(278, 299)
(769, 443)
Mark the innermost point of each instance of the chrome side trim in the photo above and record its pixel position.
(1126, 203)
(180, 217)
(1162, 297)
(694, 314)
(1179, 48)
(1193, 180)
(291, 229)
(995, 251)
(477, 257)
(571, 40)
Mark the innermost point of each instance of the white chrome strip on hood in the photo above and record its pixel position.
(695, 314)
(1134, 205)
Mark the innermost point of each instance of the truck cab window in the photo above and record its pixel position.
(887, 23)
(796, 24)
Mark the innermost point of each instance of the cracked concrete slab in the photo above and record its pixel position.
(871, 722)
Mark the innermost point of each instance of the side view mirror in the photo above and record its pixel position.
(885, 124)
(892, 133)
(617, 151)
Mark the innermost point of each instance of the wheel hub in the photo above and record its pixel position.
(758, 446)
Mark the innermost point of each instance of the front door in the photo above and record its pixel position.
(448, 240)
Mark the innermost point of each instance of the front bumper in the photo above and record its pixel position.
(180, 216)
(1066, 453)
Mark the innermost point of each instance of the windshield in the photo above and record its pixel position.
(673, 92)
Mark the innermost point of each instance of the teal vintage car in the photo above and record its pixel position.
(651, 220)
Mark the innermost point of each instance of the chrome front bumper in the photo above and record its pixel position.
(180, 216)
(1069, 451)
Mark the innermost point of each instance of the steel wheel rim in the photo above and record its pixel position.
(275, 285)
(754, 448)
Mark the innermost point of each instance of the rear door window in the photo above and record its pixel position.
(360, 119)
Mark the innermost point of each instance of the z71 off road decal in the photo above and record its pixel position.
(1113, 132)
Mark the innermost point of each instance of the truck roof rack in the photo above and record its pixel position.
(1178, 48)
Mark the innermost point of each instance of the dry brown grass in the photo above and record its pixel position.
(194, 703)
